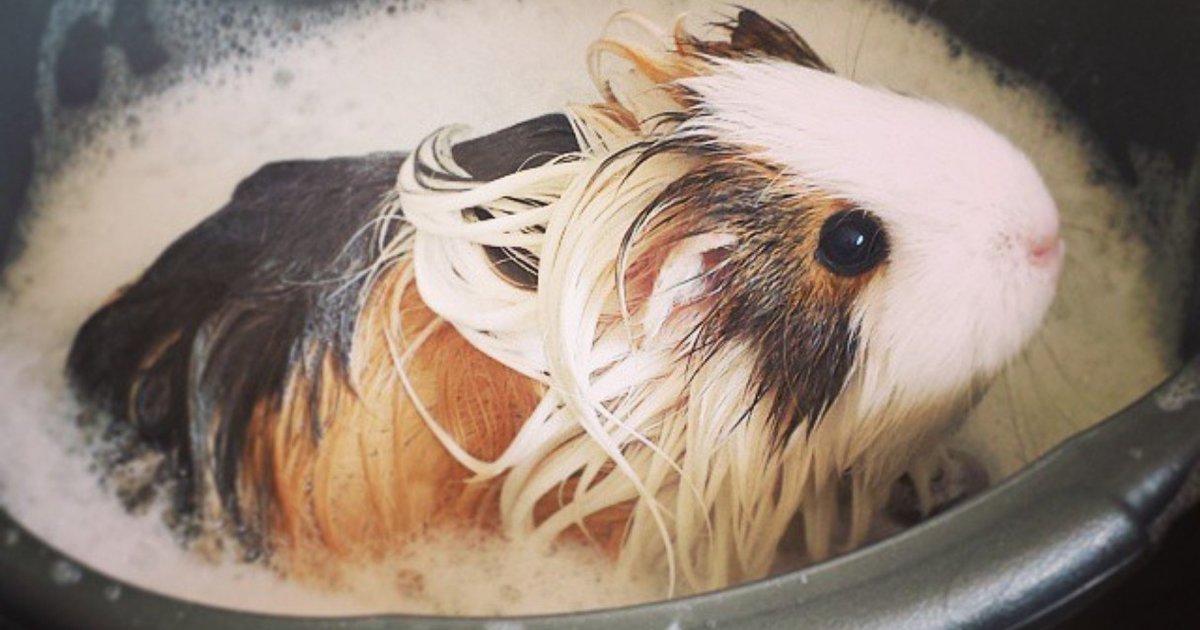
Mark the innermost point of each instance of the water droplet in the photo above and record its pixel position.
(65, 573)
(112, 592)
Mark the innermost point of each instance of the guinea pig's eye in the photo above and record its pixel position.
(852, 242)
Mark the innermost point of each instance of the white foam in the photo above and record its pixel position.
(369, 81)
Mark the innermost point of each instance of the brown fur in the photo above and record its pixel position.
(376, 475)
(769, 290)
(753, 36)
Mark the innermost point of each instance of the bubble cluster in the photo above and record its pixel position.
(112, 592)
(65, 573)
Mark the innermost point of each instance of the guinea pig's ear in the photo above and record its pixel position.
(754, 36)
(660, 283)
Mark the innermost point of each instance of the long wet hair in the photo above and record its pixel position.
(632, 323)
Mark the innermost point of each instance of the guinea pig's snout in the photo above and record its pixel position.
(1046, 251)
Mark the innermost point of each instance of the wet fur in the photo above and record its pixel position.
(251, 354)
(217, 326)
(318, 388)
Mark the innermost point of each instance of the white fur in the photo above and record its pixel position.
(959, 202)
(958, 296)
(955, 300)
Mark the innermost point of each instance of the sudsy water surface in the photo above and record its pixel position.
(119, 181)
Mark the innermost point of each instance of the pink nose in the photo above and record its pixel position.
(1046, 251)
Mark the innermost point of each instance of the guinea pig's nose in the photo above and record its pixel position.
(1046, 251)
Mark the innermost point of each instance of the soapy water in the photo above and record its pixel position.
(65, 573)
(118, 182)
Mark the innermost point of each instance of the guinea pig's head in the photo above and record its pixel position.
(884, 247)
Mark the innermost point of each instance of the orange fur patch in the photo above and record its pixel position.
(347, 470)
(345, 464)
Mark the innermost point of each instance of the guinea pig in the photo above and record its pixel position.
(739, 294)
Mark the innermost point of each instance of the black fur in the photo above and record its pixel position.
(762, 290)
(527, 145)
(218, 321)
(269, 284)
(522, 146)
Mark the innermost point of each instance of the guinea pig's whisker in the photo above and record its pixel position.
(1057, 310)
(1072, 226)
(1073, 288)
(1012, 413)
(1059, 397)
(696, 278)
(1090, 409)
(1038, 385)
(1079, 264)
(862, 39)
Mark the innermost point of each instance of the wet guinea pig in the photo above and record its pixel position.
(738, 295)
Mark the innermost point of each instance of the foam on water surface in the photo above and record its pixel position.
(119, 183)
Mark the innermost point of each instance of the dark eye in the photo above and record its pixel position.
(852, 242)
